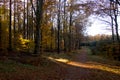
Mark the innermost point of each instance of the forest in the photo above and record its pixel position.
(46, 40)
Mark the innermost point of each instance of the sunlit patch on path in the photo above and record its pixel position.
(81, 63)
(94, 66)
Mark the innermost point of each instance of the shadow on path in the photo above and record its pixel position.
(80, 68)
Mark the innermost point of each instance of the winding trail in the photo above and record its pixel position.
(74, 72)
(80, 68)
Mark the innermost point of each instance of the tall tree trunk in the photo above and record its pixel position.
(116, 23)
(27, 22)
(24, 29)
(39, 11)
(0, 32)
(14, 27)
(18, 18)
(32, 27)
(116, 27)
(64, 27)
(112, 20)
(112, 26)
(4, 9)
(51, 39)
(70, 32)
(58, 25)
(10, 28)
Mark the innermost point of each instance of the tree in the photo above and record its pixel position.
(14, 24)
(10, 27)
(112, 21)
(24, 32)
(58, 25)
(64, 26)
(27, 27)
(38, 13)
(115, 19)
(70, 24)
(110, 10)
(49, 24)
(0, 31)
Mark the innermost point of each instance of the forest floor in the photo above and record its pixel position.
(78, 65)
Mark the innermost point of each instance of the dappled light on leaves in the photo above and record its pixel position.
(24, 44)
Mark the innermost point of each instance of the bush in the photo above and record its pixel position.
(107, 48)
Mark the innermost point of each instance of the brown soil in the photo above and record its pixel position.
(81, 67)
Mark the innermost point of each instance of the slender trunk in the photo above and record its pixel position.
(18, 19)
(14, 18)
(112, 25)
(32, 34)
(24, 30)
(14, 27)
(4, 9)
(116, 23)
(32, 23)
(52, 32)
(56, 39)
(10, 28)
(41, 40)
(27, 22)
(18, 16)
(58, 25)
(0, 32)
(70, 32)
(64, 27)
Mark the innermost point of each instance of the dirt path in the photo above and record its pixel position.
(76, 73)
(83, 69)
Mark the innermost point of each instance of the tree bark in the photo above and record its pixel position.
(58, 25)
(70, 32)
(112, 20)
(10, 29)
(0, 32)
(64, 27)
(27, 27)
(14, 24)
(39, 11)
(24, 29)
(116, 23)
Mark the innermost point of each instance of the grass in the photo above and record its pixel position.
(103, 63)
(102, 59)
